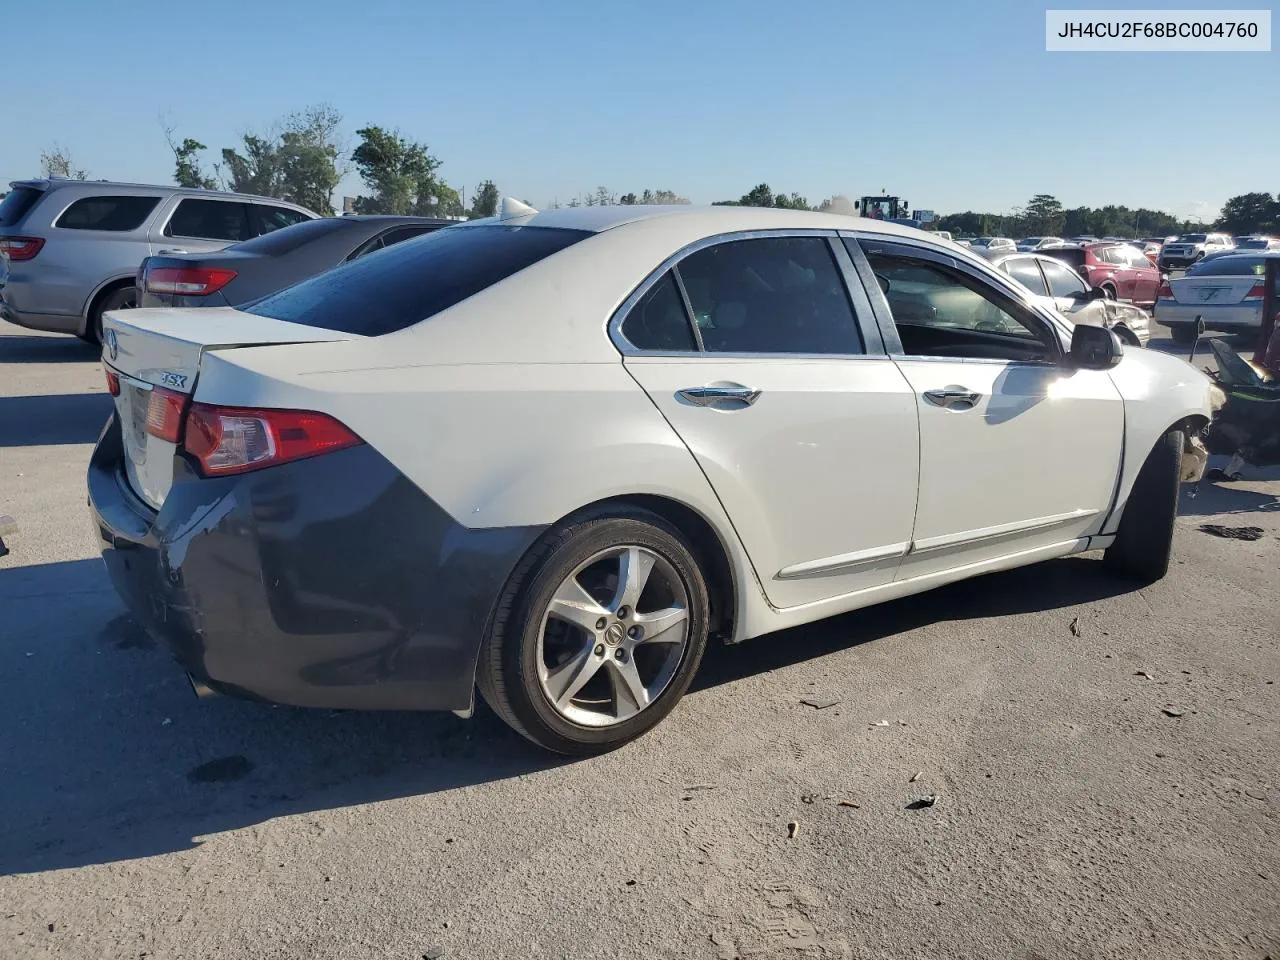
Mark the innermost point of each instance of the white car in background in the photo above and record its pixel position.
(554, 455)
(1032, 244)
(1190, 247)
(994, 244)
(1060, 288)
(1227, 291)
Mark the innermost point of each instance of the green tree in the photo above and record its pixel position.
(401, 176)
(485, 201)
(1043, 215)
(1250, 213)
(628, 199)
(187, 171)
(664, 197)
(759, 196)
(56, 162)
(308, 158)
(257, 169)
(793, 202)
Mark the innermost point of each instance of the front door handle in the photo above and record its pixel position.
(953, 397)
(169, 252)
(711, 395)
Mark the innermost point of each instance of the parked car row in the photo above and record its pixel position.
(74, 246)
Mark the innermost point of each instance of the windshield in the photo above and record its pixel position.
(1192, 238)
(1031, 240)
(411, 281)
(1252, 244)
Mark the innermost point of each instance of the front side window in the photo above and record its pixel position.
(1063, 282)
(940, 311)
(770, 295)
(1025, 271)
(117, 214)
(210, 220)
(659, 321)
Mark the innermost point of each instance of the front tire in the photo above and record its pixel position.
(1144, 540)
(598, 634)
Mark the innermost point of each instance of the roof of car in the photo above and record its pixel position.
(46, 183)
(711, 219)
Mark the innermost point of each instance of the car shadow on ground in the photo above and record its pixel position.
(109, 756)
(1066, 582)
(53, 419)
(54, 349)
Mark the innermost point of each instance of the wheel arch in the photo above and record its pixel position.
(100, 293)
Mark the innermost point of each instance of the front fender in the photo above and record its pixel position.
(1159, 393)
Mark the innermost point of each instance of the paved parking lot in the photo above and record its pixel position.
(1106, 764)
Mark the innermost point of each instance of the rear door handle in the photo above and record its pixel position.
(170, 252)
(709, 396)
(953, 397)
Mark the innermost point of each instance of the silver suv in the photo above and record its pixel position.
(73, 247)
(1190, 247)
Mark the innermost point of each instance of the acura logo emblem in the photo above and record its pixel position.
(113, 345)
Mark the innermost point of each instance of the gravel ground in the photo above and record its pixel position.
(1106, 766)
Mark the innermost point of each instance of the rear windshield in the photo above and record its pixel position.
(288, 239)
(404, 284)
(1228, 267)
(1192, 238)
(107, 213)
(15, 206)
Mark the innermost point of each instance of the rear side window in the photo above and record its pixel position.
(1025, 271)
(1062, 282)
(210, 220)
(770, 295)
(15, 206)
(107, 213)
(410, 282)
(659, 321)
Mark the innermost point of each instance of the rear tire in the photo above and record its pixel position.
(636, 669)
(1144, 540)
(126, 298)
(1182, 332)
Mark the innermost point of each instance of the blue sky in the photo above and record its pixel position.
(952, 104)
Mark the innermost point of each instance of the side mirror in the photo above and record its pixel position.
(1094, 348)
(1096, 293)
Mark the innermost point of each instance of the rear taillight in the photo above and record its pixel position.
(186, 281)
(165, 409)
(227, 440)
(1165, 292)
(1257, 291)
(21, 248)
(113, 382)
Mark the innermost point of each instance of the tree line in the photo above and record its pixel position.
(302, 158)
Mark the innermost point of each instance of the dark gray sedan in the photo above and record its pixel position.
(246, 271)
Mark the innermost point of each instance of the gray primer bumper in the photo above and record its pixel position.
(328, 582)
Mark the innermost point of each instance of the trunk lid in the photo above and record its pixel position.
(1211, 291)
(156, 354)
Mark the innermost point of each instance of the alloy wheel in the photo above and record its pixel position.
(613, 636)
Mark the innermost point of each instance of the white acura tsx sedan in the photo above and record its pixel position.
(553, 455)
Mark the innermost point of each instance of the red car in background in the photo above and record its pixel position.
(1118, 268)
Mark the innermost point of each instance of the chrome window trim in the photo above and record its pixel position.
(628, 349)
